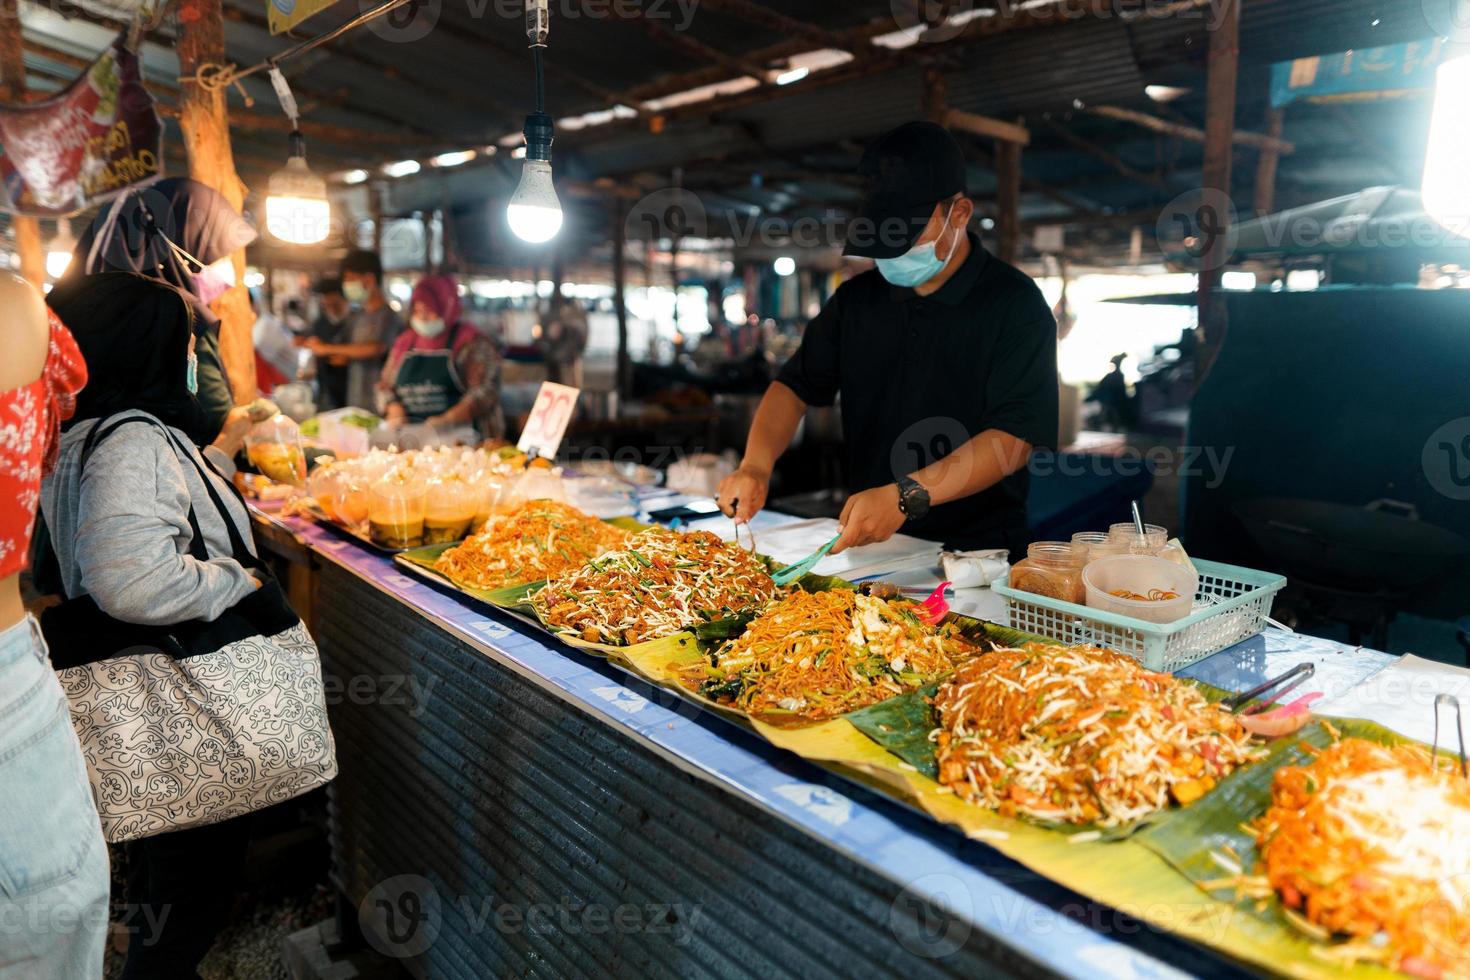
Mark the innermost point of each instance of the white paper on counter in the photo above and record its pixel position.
(790, 543)
(1401, 697)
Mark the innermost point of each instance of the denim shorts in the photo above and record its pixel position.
(53, 862)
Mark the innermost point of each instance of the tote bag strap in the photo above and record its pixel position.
(107, 427)
(238, 549)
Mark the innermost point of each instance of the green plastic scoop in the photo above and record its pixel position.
(791, 573)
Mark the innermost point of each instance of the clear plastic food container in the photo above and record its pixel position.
(274, 447)
(449, 510)
(1052, 569)
(1148, 581)
(396, 507)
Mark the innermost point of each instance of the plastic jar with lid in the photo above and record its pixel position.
(396, 507)
(1097, 544)
(1052, 569)
(1151, 542)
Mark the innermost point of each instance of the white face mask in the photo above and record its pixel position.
(427, 327)
(214, 280)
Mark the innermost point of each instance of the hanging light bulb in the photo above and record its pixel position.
(59, 252)
(1445, 190)
(296, 208)
(534, 212)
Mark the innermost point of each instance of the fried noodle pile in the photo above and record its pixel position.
(1079, 735)
(540, 539)
(659, 583)
(1373, 842)
(813, 656)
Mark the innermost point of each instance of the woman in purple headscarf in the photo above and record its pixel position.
(441, 370)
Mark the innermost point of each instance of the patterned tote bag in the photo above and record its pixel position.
(196, 722)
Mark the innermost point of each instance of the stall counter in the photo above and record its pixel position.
(489, 774)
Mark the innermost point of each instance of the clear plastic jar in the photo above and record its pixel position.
(1052, 569)
(1097, 544)
(274, 448)
(1151, 542)
(449, 509)
(396, 506)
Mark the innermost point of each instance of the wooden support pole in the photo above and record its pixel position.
(1007, 200)
(205, 123)
(1220, 88)
(620, 305)
(1265, 190)
(933, 102)
(13, 77)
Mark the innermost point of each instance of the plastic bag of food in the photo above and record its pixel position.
(274, 448)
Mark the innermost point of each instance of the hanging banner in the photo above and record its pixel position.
(1366, 73)
(286, 14)
(98, 137)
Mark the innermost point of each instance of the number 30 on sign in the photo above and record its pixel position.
(548, 421)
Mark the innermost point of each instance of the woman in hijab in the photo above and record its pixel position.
(441, 370)
(182, 232)
(124, 534)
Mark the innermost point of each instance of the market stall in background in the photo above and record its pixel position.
(586, 722)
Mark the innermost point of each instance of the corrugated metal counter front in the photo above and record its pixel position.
(508, 806)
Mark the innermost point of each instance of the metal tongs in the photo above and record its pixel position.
(1296, 676)
(749, 531)
(1440, 699)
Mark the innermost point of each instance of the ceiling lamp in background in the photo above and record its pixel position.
(1446, 191)
(59, 251)
(534, 212)
(785, 265)
(296, 208)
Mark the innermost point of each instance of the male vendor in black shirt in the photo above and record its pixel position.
(945, 358)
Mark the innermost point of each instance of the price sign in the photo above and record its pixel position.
(549, 417)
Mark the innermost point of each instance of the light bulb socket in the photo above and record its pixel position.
(539, 133)
(297, 144)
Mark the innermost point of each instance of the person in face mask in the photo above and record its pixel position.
(945, 358)
(330, 328)
(182, 232)
(356, 347)
(442, 370)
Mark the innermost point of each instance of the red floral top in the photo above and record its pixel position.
(30, 424)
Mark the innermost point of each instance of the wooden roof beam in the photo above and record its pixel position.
(697, 50)
(763, 16)
(1105, 155)
(1259, 141)
(977, 125)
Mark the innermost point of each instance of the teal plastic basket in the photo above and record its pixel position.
(1240, 602)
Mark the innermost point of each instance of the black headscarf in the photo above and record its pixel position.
(133, 332)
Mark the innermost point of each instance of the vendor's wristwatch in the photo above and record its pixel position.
(913, 499)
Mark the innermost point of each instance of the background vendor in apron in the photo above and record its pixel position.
(442, 370)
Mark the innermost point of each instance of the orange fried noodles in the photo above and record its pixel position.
(813, 656)
(1079, 735)
(540, 539)
(1373, 842)
(659, 583)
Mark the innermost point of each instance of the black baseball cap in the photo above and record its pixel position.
(910, 170)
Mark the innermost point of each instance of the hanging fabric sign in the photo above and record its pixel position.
(98, 137)
(286, 14)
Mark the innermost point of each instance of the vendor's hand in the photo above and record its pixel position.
(743, 493)
(337, 360)
(313, 344)
(869, 517)
(395, 414)
(231, 438)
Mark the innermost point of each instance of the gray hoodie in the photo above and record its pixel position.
(121, 529)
